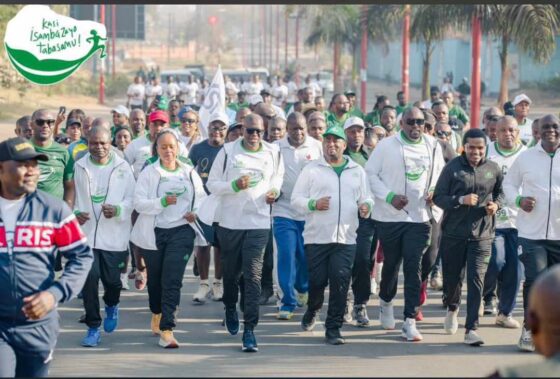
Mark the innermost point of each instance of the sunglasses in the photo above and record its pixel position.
(41, 122)
(492, 118)
(442, 133)
(188, 121)
(253, 131)
(222, 129)
(550, 126)
(417, 121)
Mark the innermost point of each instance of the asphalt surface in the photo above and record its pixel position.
(285, 349)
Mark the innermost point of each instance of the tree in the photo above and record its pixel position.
(333, 24)
(429, 25)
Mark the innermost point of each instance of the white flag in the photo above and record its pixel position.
(214, 101)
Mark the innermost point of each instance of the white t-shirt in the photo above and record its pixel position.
(190, 90)
(9, 210)
(172, 90)
(177, 183)
(279, 95)
(152, 92)
(292, 92)
(137, 93)
(526, 131)
(505, 218)
(99, 184)
(254, 88)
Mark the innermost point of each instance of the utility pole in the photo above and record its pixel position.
(114, 39)
(277, 37)
(252, 40)
(169, 38)
(270, 31)
(363, 65)
(475, 69)
(95, 57)
(285, 40)
(102, 65)
(297, 49)
(406, 53)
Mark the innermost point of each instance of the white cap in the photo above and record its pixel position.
(121, 109)
(255, 99)
(219, 116)
(519, 98)
(354, 121)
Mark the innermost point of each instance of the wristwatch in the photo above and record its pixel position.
(461, 198)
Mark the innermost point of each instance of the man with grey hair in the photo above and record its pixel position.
(104, 192)
(98, 122)
(504, 269)
(23, 127)
(316, 125)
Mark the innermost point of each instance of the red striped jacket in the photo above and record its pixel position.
(43, 225)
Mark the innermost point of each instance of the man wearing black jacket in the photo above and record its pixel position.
(469, 190)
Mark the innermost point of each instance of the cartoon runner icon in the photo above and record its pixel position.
(95, 38)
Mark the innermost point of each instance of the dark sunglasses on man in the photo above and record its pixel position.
(417, 121)
(443, 133)
(253, 131)
(41, 122)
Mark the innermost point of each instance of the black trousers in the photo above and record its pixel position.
(26, 350)
(107, 266)
(329, 264)
(406, 243)
(242, 254)
(536, 256)
(366, 243)
(268, 265)
(458, 256)
(166, 268)
(431, 255)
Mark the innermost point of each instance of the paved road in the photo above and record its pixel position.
(285, 350)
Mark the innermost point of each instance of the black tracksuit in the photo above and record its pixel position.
(467, 232)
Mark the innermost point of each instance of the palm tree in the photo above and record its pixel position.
(429, 25)
(333, 24)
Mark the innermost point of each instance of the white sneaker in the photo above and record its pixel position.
(124, 282)
(451, 324)
(373, 289)
(378, 268)
(507, 322)
(473, 339)
(409, 331)
(481, 309)
(386, 317)
(200, 295)
(348, 311)
(217, 290)
(526, 341)
(58, 274)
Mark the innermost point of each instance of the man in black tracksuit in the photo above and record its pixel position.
(469, 191)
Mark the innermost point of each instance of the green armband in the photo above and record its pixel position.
(118, 212)
(390, 197)
(234, 186)
(312, 205)
(164, 202)
(518, 201)
(76, 212)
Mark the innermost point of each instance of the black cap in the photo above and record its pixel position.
(19, 149)
(73, 121)
(241, 93)
(235, 125)
(265, 92)
(349, 92)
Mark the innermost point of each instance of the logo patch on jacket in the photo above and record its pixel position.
(488, 175)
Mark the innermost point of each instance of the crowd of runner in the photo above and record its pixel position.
(292, 195)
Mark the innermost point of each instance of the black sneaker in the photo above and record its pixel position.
(490, 308)
(333, 337)
(249, 342)
(232, 321)
(82, 319)
(360, 315)
(265, 296)
(308, 321)
(195, 267)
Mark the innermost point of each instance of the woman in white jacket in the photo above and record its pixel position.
(167, 192)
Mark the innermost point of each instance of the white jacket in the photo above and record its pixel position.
(106, 234)
(245, 209)
(347, 191)
(390, 171)
(534, 173)
(148, 204)
(295, 159)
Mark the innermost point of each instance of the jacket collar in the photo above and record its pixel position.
(323, 162)
(117, 160)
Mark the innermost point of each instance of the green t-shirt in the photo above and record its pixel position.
(332, 120)
(356, 112)
(373, 118)
(358, 157)
(237, 106)
(54, 172)
(459, 113)
(400, 108)
(339, 169)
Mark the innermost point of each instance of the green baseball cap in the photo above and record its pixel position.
(336, 131)
(163, 103)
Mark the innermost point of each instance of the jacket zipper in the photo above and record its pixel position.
(549, 196)
(91, 200)
(339, 207)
